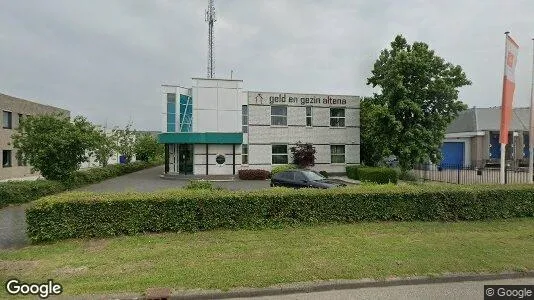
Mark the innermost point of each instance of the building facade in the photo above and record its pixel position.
(13, 110)
(217, 128)
(472, 139)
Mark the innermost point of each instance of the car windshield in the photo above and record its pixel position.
(312, 176)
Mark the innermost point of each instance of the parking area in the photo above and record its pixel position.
(149, 180)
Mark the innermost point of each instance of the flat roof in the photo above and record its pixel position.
(224, 79)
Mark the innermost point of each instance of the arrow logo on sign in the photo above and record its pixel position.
(259, 98)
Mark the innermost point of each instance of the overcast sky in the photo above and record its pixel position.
(106, 59)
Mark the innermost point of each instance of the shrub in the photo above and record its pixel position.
(372, 174)
(407, 176)
(324, 173)
(282, 168)
(85, 215)
(352, 172)
(253, 174)
(17, 192)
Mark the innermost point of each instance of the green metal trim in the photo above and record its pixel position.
(200, 138)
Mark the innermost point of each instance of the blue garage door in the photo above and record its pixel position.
(452, 155)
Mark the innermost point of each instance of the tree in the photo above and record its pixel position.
(105, 145)
(418, 98)
(303, 155)
(125, 142)
(53, 145)
(146, 147)
(373, 145)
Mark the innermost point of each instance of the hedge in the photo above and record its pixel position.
(18, 192)
(88, 215)
(253, 174)
(372, 174)
(283, 168)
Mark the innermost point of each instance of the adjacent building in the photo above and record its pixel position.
(472, 139)
(217, 128)
(13, 110)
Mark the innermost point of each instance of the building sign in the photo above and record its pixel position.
(301, 99)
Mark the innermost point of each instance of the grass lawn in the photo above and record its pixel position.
(229, 259)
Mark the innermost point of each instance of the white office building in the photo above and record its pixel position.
(217, 128)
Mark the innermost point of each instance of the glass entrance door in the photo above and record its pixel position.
(185, 162)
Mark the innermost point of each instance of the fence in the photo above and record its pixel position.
(471, 174)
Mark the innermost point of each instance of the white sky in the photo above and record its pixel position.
(106, 59)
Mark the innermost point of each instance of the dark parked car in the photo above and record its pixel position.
(304, 178)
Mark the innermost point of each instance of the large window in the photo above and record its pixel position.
(337, 117)
(337, 154)
(6, 158)
(279, 115)
(171, 112)
(308, 116)
(7, 121)
(186, 113)
(244, 119)
(244, 154)
(279, 154)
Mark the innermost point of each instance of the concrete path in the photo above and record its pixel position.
(13, 227)
(149, 180)
(458, 290)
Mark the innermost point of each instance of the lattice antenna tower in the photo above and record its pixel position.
(210, 19)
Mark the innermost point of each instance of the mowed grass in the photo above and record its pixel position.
(244, 258)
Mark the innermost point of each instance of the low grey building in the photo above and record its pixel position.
(472, 139)
(13, 110)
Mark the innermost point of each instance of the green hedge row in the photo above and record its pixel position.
(17, 192)
(372, 174)
(87, 215)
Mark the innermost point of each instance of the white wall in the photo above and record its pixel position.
(217, 105)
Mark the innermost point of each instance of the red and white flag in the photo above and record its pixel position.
(508, 87)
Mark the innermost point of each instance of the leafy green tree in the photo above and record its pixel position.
(105, 145)
(146, 147)
(125, 141)
(303, 155)
(373, 144)
(53, 145)
(418, 98)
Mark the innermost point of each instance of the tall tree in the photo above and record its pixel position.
(104, 147)
(417, 99)
(125, 141)
(53, 145)
(146, 147)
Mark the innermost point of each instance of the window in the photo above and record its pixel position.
(6, 120)
(337, 154)
(279, 154)
(279, 115)
(220, 159)
(171, 112)
(244, 120)
(337, 117)
(6, 158)
(308, 116)
(186, 113)
(244, 154)
(299, 176)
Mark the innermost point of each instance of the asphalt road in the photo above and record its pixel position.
(467, 290)
(149, 180)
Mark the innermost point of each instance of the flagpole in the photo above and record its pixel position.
(531, 129)
(502, 163)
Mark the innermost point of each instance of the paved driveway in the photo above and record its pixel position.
(149, 180)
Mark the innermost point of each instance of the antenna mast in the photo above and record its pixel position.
(210, 19)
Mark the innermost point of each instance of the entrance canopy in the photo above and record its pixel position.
(200, 138)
